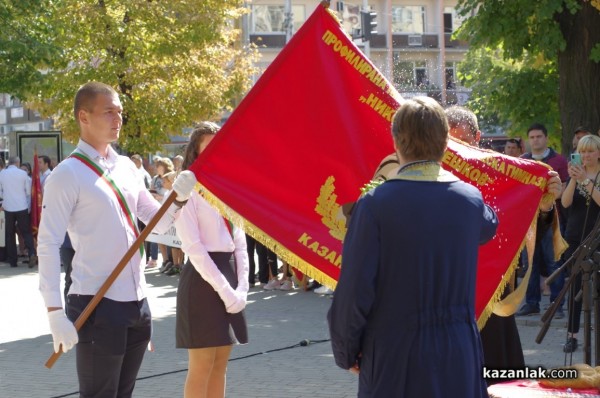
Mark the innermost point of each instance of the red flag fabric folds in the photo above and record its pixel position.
(311, 133)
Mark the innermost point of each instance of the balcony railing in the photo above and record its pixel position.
(424, 41)
(270, 40)
(378, 41)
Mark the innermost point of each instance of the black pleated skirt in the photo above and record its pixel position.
(201, 319)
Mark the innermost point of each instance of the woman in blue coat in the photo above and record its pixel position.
(403, 312)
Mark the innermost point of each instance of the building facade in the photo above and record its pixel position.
(14, 116)
(413, 46)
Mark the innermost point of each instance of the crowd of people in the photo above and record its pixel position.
(578, 209)
(96, 195)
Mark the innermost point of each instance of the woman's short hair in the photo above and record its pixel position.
(166, 163)
(589, 143)
(420, 129)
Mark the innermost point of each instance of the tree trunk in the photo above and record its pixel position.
(579, 77)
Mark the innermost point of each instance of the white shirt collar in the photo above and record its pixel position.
(93, 154)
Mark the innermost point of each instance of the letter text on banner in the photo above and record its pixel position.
(312, 132)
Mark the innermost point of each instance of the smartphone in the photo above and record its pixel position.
(576, 159)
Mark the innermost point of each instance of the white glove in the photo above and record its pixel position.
(184, 184)
(233, 300)
(238, 305)
(63, 330)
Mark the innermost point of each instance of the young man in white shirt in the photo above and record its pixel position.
(96, 196)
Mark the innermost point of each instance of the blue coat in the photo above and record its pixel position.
(406, 295)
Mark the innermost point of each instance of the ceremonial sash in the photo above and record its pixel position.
(114, 188)
(229, 226)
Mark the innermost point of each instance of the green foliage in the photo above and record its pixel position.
(595, 56)
(517, 25)
(533, 61)
(514, 94)
(173, 62)
(24, 48)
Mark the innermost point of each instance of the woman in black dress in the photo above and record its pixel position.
(213, 286)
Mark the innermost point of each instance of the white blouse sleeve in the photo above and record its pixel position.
(188, 230)
(241, 260)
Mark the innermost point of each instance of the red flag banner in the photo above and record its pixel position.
(312, 132)
(36, 196)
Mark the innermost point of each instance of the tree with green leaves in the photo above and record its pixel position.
(535, 58)
(173, 62)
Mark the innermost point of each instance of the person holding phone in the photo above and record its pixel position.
(581, 199)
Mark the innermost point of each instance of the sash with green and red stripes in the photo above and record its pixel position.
(131, 221)
(229, 226)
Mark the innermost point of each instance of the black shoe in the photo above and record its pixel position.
(33, 261)
(165, 267)
(570, 345)
(528, 309)
(174, 270)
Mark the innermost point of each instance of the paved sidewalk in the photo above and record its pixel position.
(277, 321)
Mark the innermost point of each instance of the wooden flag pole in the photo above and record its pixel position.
(115, 273)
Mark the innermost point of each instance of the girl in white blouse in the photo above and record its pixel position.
(213, 286)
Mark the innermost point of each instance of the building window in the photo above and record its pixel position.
(408, 19)
(16, 113)
(350, 16)
(410, 74)
(452, 80)
(450, 75)
(271, 18)
(452, 20)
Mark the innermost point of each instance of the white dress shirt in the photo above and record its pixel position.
(77, 200)
(15, 189)
(202, 230)
(43, 177)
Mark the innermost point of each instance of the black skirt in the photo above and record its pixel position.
(201, 319)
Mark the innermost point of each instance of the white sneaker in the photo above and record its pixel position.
(151, 264)
(286, 285)
(323, 290)
(272, 284)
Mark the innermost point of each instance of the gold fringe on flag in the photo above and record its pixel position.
(272, 244)
(510, 304)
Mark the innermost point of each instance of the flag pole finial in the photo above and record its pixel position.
(326, 3)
